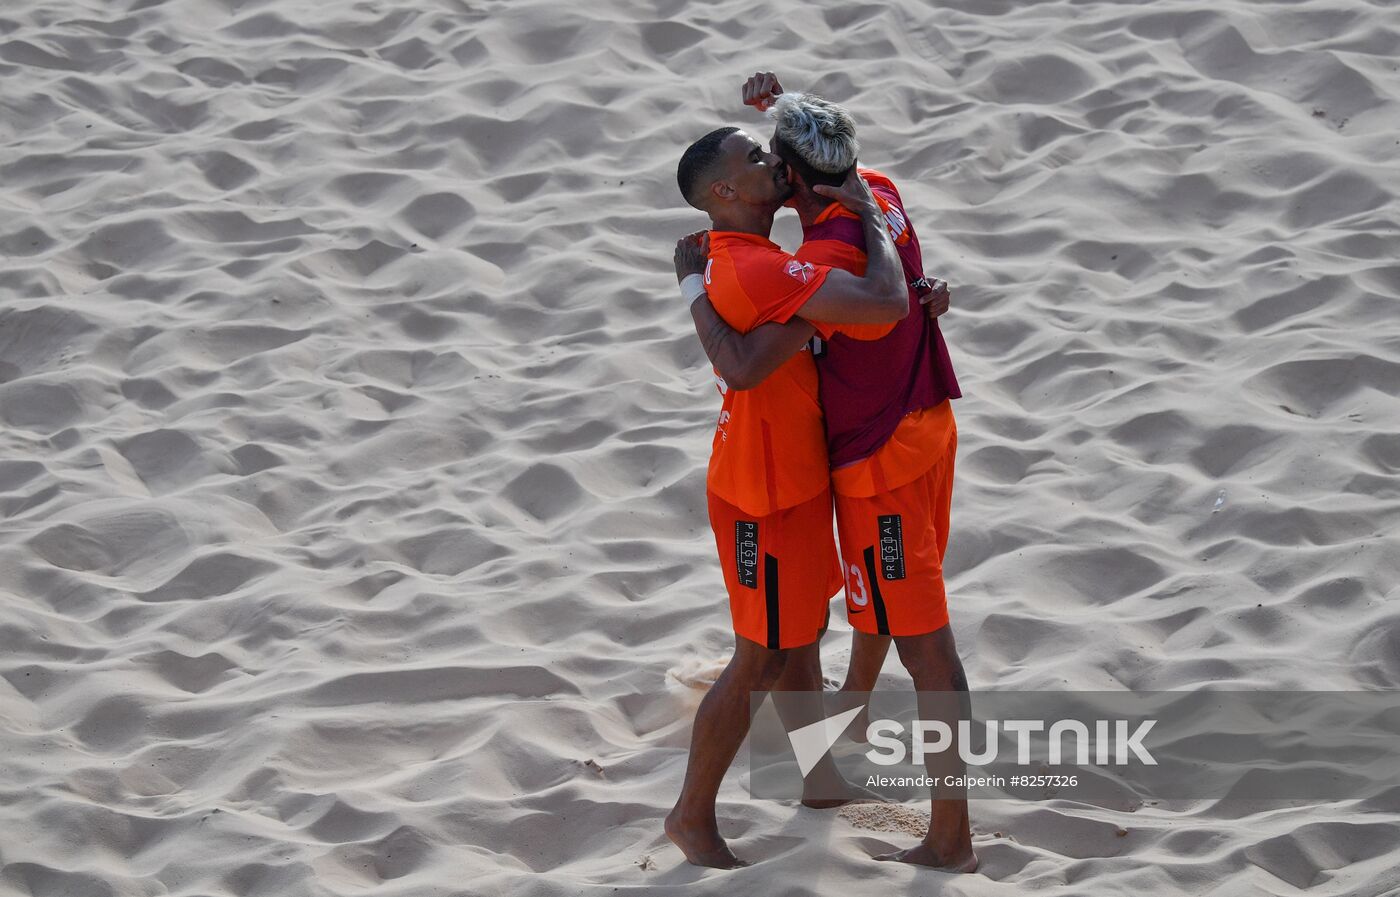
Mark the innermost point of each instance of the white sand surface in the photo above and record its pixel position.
(352, 533)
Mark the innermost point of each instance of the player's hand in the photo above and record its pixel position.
(854, 193)
(938, 299)
(761, 89)
(692, 254)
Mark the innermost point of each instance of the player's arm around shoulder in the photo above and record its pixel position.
(744, 360)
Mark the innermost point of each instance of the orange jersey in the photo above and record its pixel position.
(920, 439)
(769, 450)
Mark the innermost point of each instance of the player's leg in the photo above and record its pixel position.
(933, 663)
(721, 724)
(893, 550)
(777, 596)
(868, 653)
(808, 587)
(824, 787)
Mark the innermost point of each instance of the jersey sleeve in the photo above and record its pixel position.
(778, 284)
(838, 254)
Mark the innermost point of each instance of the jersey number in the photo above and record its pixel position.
(855, 587)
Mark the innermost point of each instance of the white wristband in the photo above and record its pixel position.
(692, 287)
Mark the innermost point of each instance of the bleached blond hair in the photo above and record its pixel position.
(822, 133)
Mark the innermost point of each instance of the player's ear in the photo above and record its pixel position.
(723, 189)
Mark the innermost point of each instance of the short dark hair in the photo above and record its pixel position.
(810, 176)
(698, 161)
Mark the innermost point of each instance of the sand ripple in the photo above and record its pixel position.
(353, 510)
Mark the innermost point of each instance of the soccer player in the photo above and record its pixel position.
(768, 481)
(885, 391)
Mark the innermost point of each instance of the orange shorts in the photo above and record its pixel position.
(780, 570)
(892, 547)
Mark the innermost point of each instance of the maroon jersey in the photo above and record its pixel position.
(868, 385)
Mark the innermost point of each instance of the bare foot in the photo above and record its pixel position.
(923, 855)
(701, 843)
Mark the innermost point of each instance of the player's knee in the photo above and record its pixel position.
(771, 668)
(920, 665)
(932, 659)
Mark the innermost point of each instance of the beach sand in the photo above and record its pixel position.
(352, 521)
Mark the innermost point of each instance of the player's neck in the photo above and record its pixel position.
(745, 220)
(809, 206)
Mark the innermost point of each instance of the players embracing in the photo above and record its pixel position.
(836, 385)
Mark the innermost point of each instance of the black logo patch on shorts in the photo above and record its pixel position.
(746, 552)
(891, 546)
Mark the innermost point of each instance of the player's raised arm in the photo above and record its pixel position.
(760, 90)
